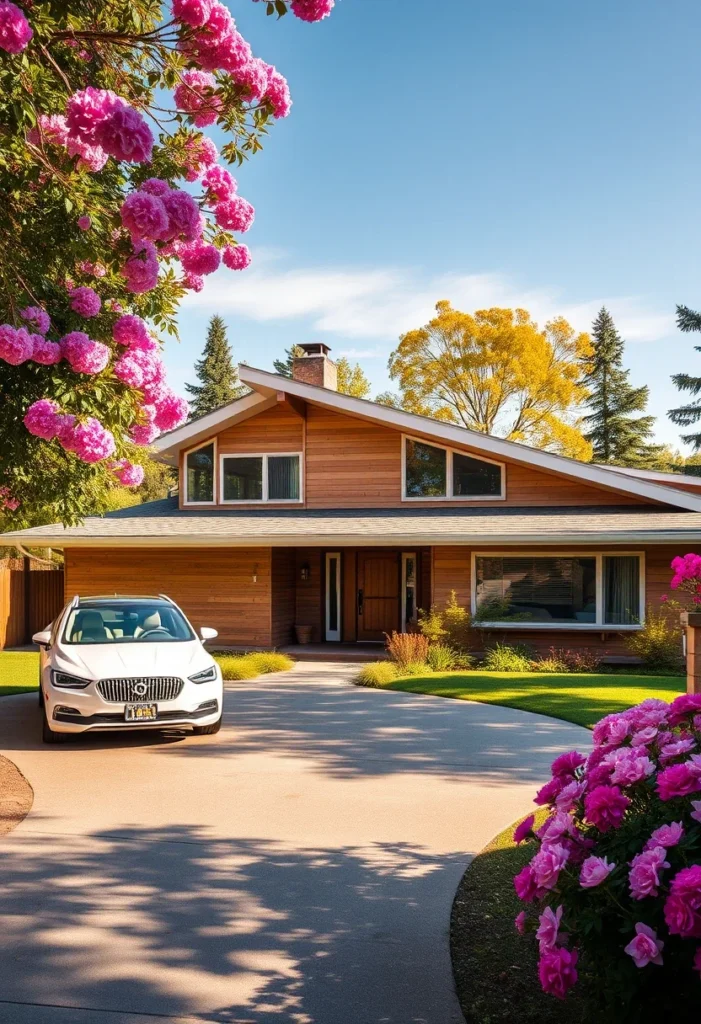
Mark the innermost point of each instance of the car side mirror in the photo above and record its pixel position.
(42, 639)
(207, 633)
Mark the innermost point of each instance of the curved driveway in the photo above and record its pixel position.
(298, 868)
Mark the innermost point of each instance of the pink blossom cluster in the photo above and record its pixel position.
(217, 45)
(312, 10)
(15, 31)
(7, 500)
(88, 439)
(128, 474)
(645, 766)
(98, 124)
(37, 317)
(140, 367)
(17, 346)
(200, 154)
(85, 301)
(83, 354)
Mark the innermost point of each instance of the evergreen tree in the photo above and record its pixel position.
(284, 366)
(219, 378)
(686, 415)
(617, 436)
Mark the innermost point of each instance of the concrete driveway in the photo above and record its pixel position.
(298, 868)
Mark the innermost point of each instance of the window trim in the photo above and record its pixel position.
(333, 635)
(597, 626)
(449, 496)
(195, 448)
(265, 500)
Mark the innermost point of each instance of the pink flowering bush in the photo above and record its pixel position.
(613, 886)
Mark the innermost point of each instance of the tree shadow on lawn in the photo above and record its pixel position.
(174, 921)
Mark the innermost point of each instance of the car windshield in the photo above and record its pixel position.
(126, 622)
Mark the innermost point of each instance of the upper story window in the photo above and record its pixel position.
(596, 590)
(434, 472)
(199, 475)
(251, 478)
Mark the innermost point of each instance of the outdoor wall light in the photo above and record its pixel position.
(255, 573)
(304, 572)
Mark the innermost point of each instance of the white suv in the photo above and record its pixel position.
(126, 663)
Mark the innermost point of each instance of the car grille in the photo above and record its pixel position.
(119, 691)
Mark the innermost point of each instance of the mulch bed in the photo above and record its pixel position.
(16, 796)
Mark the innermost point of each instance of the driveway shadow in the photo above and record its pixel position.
(172, 921)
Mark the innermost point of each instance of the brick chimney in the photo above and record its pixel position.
(315, 367)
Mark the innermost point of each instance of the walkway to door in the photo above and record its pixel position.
(297, 868)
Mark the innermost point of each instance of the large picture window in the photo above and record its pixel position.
(199, 475)
(433, 472)
(566, 590)
(253, 478)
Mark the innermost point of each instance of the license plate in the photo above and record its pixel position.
(140, 712)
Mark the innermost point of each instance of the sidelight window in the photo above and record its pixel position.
(199, 475)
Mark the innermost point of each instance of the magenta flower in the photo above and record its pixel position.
(567, 764)
(200, 258)
(234, 214)
(681, 909)
(15, 31)
(278, 93)
(83, 354)
(632, 769)
(681, 707)
(47, 353)
(548, 928)
(696, 813)
(666, 836)
(557, 971)
(194, 96)
(91, 442)
(525, 884)
(595, 870)
(643, 737)
(16, 346)
(605, 806)
(43, 419)
(236, 257)
(644, 875)
(85, 301)
(155, 187)
(192, 12)
(568, 797)
(548, 793)
(645, 948)
(125, 135)
(84, 223)
(86, 110)
(38, 317)
(8, 501)
(219, 184)
(678, 780)
(132, 331)
(183, 215)
(144, 433)
(253, 79)
(141, 269)
(524, 829)
(548, 863)
(312, 10)
(92, 158)
(171, 411)
(557, 825)
(520, 922)
(128, 474)
(193, 282)
(144, 216)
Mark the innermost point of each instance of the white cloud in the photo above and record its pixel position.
(383, 302)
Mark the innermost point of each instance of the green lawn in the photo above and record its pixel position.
(19, 672)
(580, 698)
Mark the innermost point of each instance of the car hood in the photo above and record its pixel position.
(107, 661)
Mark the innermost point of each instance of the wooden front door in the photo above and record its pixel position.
(378, 593)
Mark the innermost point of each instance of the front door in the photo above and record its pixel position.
(378, 594)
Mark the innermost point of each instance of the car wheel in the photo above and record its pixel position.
(208, 730)
(48, 735)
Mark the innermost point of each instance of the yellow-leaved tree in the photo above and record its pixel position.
(497, 372)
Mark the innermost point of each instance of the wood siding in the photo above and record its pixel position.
(30, 599)
(213, 587)
(283, 606)
(452, 571)
(354, 463)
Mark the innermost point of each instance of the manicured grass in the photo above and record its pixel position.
(496, 969)
(19, 672)
(580, 698)
(250, 666)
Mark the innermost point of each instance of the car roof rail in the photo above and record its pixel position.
(75, 601)
(166, 598)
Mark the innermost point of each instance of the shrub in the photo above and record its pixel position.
(452, 626)
(507, 658)
(416, 668)
(566, 660)
(431, 625)
(270, 661)
(658, 643)
(441, 657)
(549, 664)
(237, 666)
(406, 647)
(377, 673)
(616, 869)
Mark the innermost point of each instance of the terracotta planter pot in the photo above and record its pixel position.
(304, 634)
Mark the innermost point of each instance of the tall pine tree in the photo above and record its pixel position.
(686, 415)
(617, 436)
(219, 378)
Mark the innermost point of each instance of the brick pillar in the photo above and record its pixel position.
(692, 620)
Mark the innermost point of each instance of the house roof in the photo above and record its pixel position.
(163, 524)
(267, 386)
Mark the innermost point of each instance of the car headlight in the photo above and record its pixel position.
(207, 675)
(67, 682)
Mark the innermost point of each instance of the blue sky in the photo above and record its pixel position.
(491, 152)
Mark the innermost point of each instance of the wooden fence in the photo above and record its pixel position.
(31, 596)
